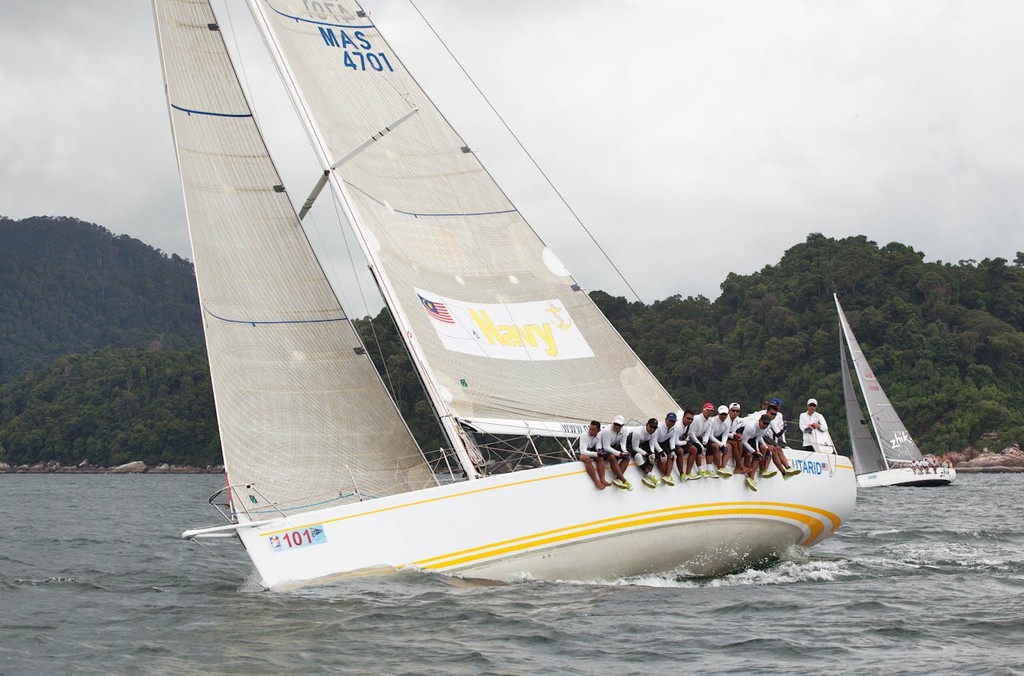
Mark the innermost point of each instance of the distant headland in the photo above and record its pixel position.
(134, 467)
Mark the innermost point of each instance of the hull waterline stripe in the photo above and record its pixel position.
(813, 524)
(834, 519)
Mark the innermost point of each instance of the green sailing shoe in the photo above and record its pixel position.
(724, 473)
(668, 481)
(751, 484)
(791, 471)
(768, 474)
(649, 481)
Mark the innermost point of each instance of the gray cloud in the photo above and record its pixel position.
(699, 138)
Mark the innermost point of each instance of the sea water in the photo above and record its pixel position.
(94, 580)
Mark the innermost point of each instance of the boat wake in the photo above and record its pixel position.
(785, 572)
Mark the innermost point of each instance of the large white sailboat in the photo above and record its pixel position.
(324, 477)
(889, 461)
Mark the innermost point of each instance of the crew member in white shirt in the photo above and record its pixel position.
(754, 448)
(682, 448)
(717, 442)
(639, 442)
(587, 448)
(611, 445)
(735, 435)
(775, 440)
(697, 444)
(812, 422)
(663, 446)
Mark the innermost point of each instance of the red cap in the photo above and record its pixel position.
(709, 406)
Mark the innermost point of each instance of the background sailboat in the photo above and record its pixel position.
(887, 462)
(324, 478)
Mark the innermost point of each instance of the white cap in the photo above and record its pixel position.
(723, 409)
(812, 401)
(734, 405)
(619, 420)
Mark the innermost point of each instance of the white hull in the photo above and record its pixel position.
(551, 523)
(904, 476)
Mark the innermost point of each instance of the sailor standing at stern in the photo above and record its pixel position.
(812, 422)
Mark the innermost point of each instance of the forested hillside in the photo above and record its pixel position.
(946, 340)
(68, 287)
(111, 407)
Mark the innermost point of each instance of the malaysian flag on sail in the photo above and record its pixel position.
(436, 310)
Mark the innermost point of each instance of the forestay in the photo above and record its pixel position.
(893, 437)
(304, 418)
(498, 326)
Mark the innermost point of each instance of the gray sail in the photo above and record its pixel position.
(499, 328)
(893, 438)
(867, 457)
(303, 416)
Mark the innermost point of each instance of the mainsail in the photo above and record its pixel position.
(867, 457)
(497, 326)
(893, 438)
(304, 419)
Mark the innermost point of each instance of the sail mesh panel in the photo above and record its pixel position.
(435, 222)
(303, 418)
(893, 437)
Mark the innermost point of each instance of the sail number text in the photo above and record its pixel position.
(301, 537)
(356, 50)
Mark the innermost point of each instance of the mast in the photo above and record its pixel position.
(450, 425)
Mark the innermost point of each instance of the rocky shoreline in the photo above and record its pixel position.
(974, 460)
(135, 467)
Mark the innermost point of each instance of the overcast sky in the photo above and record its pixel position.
(692, 138)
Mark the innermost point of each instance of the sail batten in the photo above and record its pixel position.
(304, 419)
(494, 321)
(893, 439)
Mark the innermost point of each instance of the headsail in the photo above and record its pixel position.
(867, 457)
(304, 418)
(893, 438)
(496, 323)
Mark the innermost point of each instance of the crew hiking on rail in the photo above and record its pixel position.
(717, 443)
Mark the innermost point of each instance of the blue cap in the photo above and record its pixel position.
(775, 401)
(671, 417)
